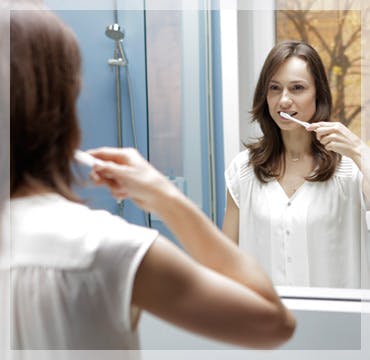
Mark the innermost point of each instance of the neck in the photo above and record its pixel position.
(30, 190)
(297, 144)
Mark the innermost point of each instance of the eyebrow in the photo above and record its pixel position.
(291, 82)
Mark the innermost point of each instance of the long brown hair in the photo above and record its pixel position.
(265, 155)
(45, 81)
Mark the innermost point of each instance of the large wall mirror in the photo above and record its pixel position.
(193, 75)
(339, 31)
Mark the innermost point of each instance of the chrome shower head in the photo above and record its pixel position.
(114, 32)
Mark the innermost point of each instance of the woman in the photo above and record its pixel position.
(79, 277)
(295, 197)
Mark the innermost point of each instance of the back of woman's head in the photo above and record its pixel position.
(45, 80)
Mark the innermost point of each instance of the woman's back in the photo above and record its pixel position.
(72, 273)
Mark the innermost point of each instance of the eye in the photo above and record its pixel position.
(274, 87)
(297, 87)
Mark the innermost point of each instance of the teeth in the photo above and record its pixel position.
(289, 113)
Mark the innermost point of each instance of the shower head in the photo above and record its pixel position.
(114, 32)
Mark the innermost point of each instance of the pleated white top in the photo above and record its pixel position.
(317, 237)
(72, 274)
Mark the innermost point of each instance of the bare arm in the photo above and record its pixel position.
(235, 274)
(177, 289)
(231, 220)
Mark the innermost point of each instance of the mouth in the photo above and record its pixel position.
(291, 113)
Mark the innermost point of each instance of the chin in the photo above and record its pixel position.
(286, 126)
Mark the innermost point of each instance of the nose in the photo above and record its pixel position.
(285, 100)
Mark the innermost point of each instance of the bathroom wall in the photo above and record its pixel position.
(97, 102)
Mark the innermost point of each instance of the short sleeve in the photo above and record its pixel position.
(347, 169)
(233, 175)
(120, 253)
(365, 204)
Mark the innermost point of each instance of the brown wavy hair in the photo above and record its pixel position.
(266, 154)
(45, 72)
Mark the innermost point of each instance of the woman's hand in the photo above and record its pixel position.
(128, 175)
(338, 138)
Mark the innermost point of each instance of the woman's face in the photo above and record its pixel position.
(292, 90)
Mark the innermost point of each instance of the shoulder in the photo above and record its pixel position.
(241, 159)
(240, 166)
(346, 168)
(114, 229)
(69, 234)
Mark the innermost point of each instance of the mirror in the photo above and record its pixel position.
(199, 39)
(174, 105)
(333, 33)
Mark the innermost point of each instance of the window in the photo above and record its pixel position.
(336, 35)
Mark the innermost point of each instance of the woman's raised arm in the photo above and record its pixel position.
(224, 293)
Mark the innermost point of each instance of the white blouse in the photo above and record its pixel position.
(72, 274)
(317, 237)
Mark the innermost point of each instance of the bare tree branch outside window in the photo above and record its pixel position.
(336, 35)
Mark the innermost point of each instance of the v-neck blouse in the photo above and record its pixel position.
(317, 237)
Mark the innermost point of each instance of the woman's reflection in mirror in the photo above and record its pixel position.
(296, 196)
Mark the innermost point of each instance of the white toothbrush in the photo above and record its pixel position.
(289, 117)
(85, 158)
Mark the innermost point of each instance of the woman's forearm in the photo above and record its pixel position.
(128, 175)
(209, 246)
